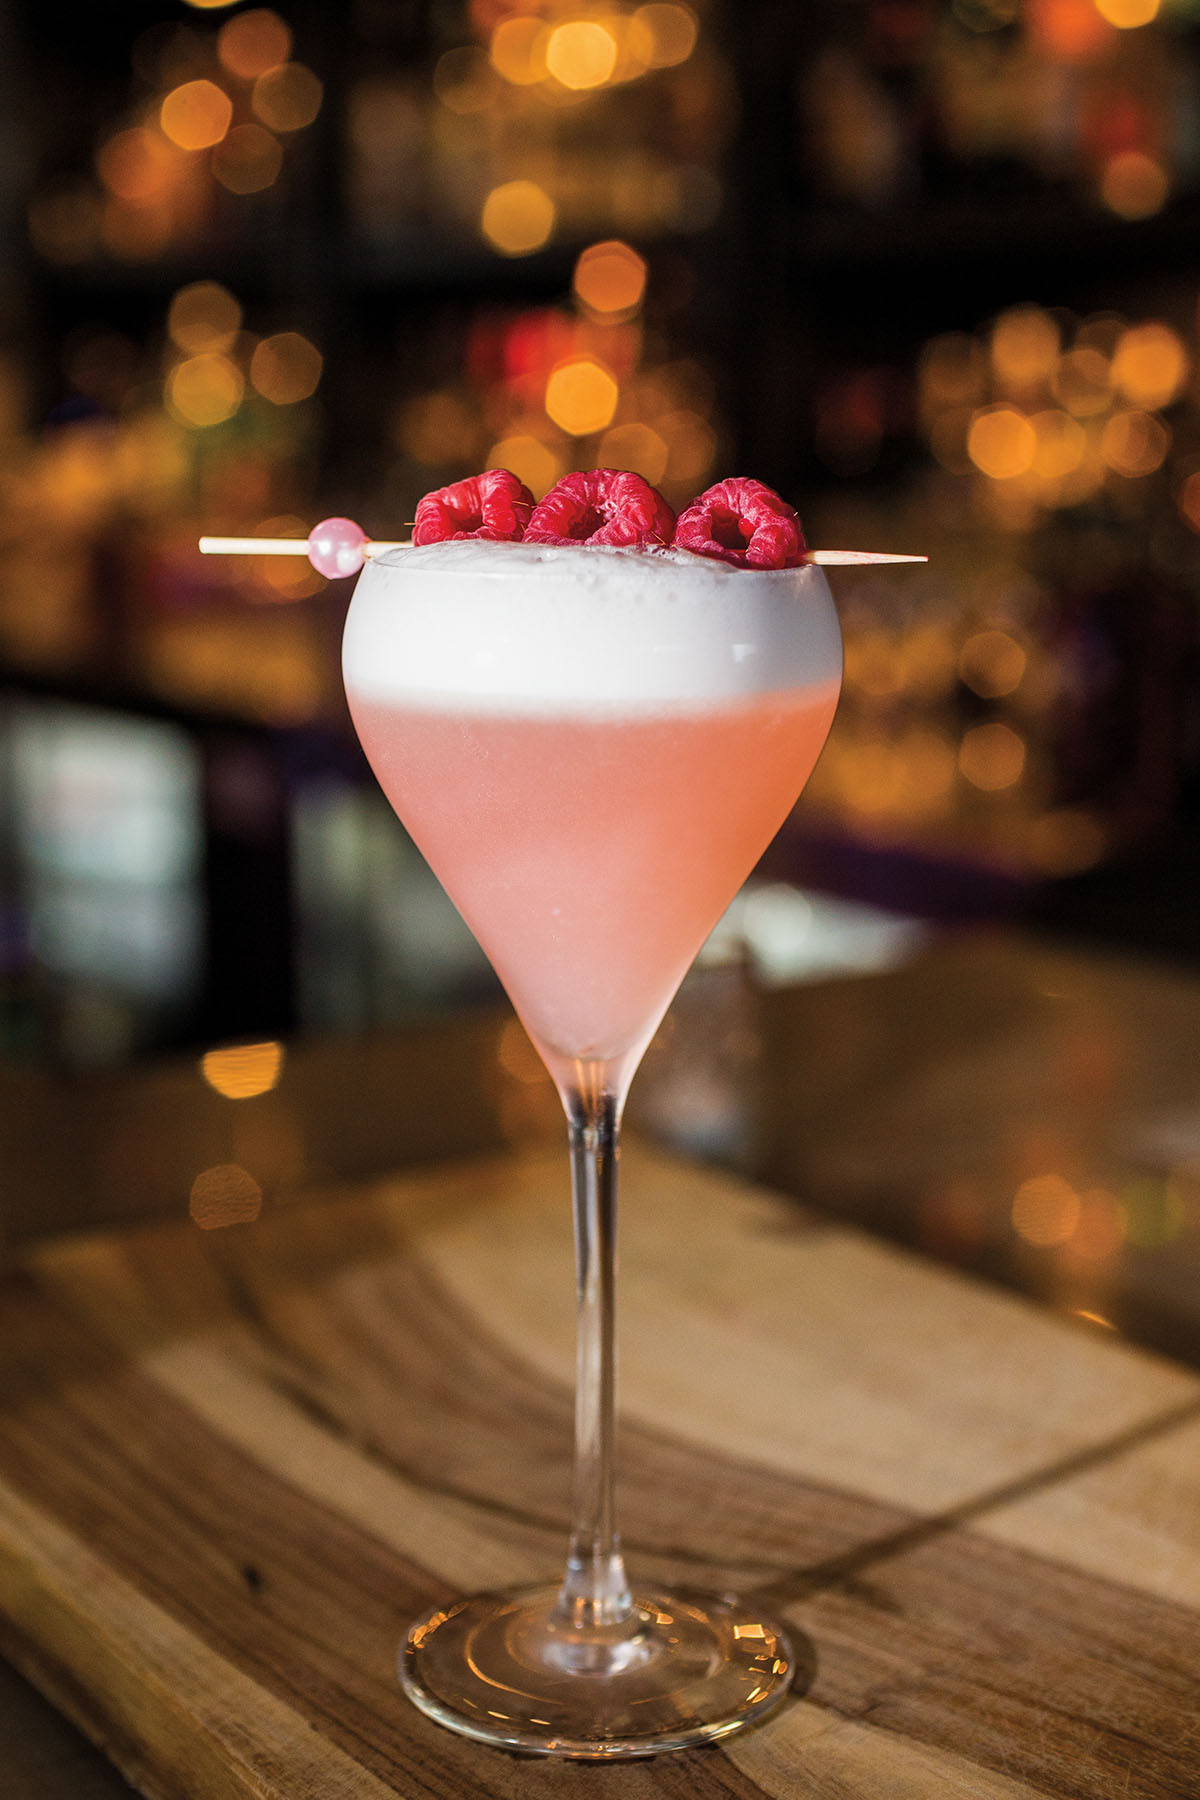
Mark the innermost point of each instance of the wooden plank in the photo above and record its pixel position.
(232, 1464)
(1138, 1511)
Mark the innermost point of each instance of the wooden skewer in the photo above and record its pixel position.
(264, 546)
(837, 559)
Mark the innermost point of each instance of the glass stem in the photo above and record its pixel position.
(594, 1603)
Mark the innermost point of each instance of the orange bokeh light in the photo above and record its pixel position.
(138, 166)
(1127, 15)
(286, 368)
(254, 42)
(1151, 365)
(992, 757)
(1189, 501)
(287, 98)
(248, 159)
(1083, 382)
(242, 1070)
(992, 664)
(205, 390)
(1001, 442)
(1135, 443)
(224, 1195)
(1061, 444)
(664, 34)
(203, 316)
(636, 447)
(529, 459)
(611, 278)
(1134, 185)
(581, 53)
(518, 217)
(581, 396)
(1046, 1210)
(1071, 30)
(196, 115)
(518, 50)
(1025, 346)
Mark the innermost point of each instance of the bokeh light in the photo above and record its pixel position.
(1001, 442)
(1061, 444)
(1100, 1230)
(283, 579)
(665, 34)
(691, 447)
(248, 159)
(203, 316)
(1134, 184)
(196, 115)
(1071, 31)
(1083, 381)
(242, 1070)
(1025, 346)
(1127, 15)
(205, 390)
(992, 664)
(610, 278)
(530, 460)
(637, 447)
(1189, 500)
(287, 98)
(1046, 1210)
(225, 1195)
(581, 53)
(254, 42)
(1150, 366)
(138, 165)
(1066, 841)
(1134, 443)
(518, 50)
(992, 757)
(518, 217)
(581, 396)
(286, 368)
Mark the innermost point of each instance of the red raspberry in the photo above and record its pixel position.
(602, 506)
(492, 505)
(744, 523)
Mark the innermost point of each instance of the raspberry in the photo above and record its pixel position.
(602, 506)
(744, 523)
(492, 505)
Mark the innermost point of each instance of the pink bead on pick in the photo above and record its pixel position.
(335, 547)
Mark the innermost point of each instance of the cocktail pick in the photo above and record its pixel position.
(340, 547)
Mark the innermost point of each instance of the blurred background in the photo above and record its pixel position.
(929, 267)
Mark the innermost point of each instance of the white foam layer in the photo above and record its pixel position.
(515, 627)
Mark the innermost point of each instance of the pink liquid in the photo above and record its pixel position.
(591, 857)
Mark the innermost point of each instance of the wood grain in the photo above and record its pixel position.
(233, 1465)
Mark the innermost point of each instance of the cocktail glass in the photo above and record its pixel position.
(592, 748)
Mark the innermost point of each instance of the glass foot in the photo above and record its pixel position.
(688, 1668)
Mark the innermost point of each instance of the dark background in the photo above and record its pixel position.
(869, 231)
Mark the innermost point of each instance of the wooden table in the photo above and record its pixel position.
(234, 1463)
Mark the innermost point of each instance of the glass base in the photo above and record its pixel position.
(687, 1669)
